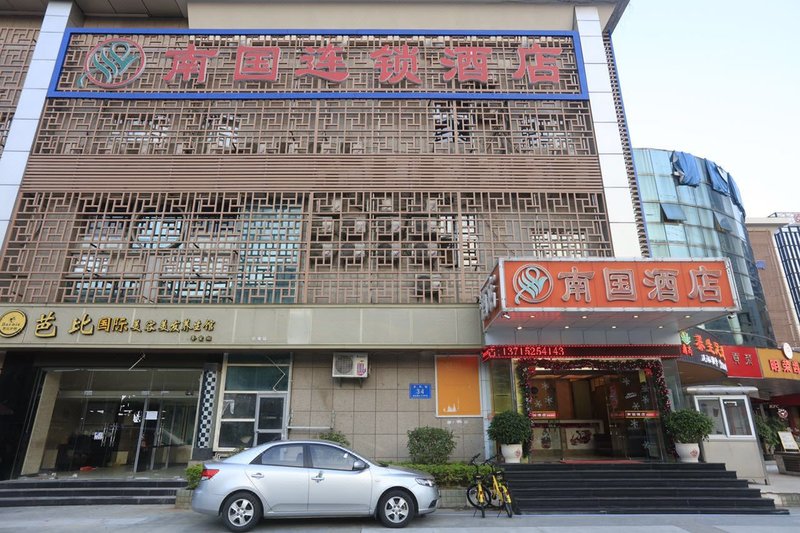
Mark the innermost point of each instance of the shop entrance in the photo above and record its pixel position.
(593, 414)
(111, 422)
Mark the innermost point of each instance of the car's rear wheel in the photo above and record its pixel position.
(241, 511)
(396, 509)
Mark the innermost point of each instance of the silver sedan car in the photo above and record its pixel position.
(286, 479)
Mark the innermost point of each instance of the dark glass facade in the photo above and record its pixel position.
(696, 212)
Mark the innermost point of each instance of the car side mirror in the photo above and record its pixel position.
(359, 465)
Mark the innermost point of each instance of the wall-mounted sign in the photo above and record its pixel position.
(774, 364)
(12, 323)
(702, 348)
(742, 362)
(54, 324)
(635, 414)
(573, 285)
(158, 64)
(419, 391)
(599, 351)
(547, 415)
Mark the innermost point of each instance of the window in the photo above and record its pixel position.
(283, 455)
(331, 458)
(731, 415)
(457, 390)
(722, 223)
(672, 213)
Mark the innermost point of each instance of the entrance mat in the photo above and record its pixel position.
(599, 461)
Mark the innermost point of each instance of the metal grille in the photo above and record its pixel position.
(502, 62)
(355, 247)
(16, 49)
(297, 127)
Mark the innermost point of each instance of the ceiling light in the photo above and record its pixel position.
(660, 327)
(584, 316)
(533, 316)
(566, 327)
(613, 327)
(519, 327)
(506, 315)
(635, 316)
(687, 316)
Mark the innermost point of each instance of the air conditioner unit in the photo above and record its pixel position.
(350, 365)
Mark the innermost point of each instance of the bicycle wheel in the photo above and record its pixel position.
(472, 496)
(507, 501)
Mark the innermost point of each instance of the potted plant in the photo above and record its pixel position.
(687, 428)
(510, 429)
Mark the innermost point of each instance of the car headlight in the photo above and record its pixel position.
(426, 482)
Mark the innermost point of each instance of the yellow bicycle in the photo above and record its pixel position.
(495, 493)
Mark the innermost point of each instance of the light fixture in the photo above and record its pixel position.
(506, 315)
(660, 327)
(533, 316)
(566, 327)
(613, 327)
(584, 316)
(519, 327)
(635, 316)
(687, 316)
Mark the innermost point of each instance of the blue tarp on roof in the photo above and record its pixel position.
(735, 194)
(718, 182)
(683, 166)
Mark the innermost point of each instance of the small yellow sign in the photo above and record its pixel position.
(12, 323)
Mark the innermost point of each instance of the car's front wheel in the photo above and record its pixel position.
(396, 509)
(241, 511)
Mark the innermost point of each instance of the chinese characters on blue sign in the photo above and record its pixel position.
(419, 391)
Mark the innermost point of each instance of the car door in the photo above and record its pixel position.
(334, 487)
(281, 476)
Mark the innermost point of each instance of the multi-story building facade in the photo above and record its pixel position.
(776, 249)
(692, 208)
(281, 225)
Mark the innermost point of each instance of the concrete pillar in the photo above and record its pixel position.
(41, 426)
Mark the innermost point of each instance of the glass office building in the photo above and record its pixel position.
(692, 208)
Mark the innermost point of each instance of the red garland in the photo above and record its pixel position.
(650, 366)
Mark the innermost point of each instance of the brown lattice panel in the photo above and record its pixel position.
(355, 247)
(294, 127)
(16, 49)
(502, 63)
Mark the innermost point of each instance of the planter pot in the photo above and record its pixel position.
(511, 452)
(688, 453)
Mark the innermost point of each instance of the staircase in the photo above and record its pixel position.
(636, 488)
(28, 493)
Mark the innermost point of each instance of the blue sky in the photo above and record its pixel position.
(719, 79)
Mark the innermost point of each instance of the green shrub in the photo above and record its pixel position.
(688, 426)
(767, 429)
(429, 445)
(509, 427)
(193, 476)
(449, 475)
(335, 436)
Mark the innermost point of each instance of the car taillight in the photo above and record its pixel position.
(208, 473)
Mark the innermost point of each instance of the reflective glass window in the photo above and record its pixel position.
(331, 458)
(666, 188)
(283, 455)
(675, 233)
(647, 188)
(736, 414)
(711, 407)
(257, 378)
(672, 212)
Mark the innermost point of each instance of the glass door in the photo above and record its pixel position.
(270, 418)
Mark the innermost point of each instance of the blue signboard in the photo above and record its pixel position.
(419, 391)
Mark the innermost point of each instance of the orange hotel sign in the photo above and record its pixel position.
(552, 285)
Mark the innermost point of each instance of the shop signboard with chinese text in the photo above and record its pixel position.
(742, 362)
(540, 285)
(700, 347)
(288, 64)
(775, 364)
